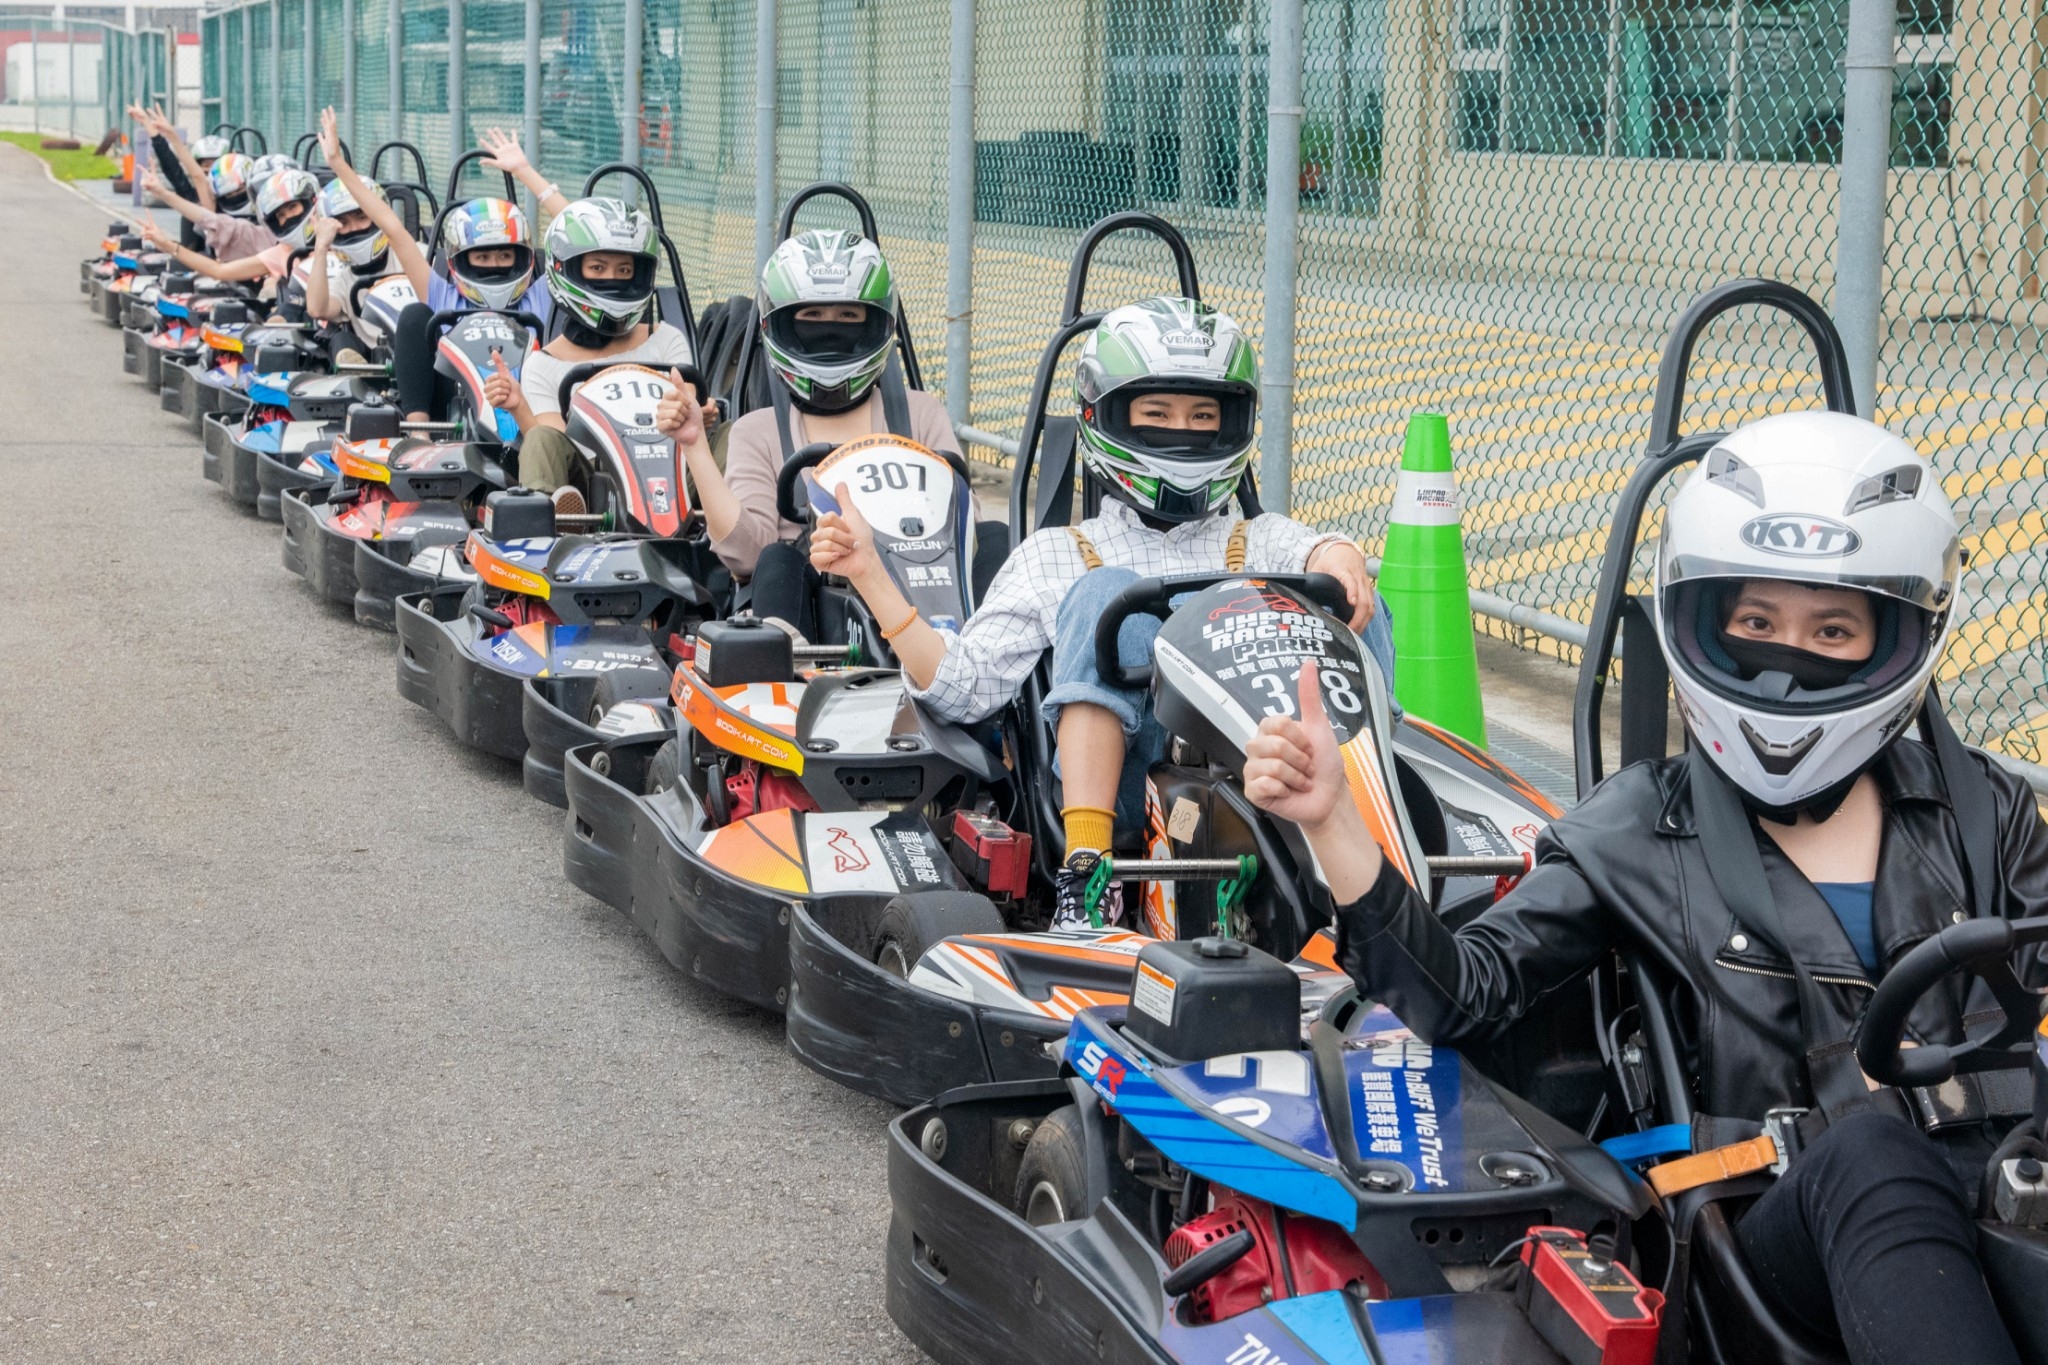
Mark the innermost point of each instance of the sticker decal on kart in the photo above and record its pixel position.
(844, 853)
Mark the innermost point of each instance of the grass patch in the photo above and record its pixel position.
(78, 165)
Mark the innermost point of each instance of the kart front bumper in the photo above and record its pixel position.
(730, 935)
(478, 703)
(314, 550)
(549, 708)
(187, 392)
(381, 580)
(277, 475)
(876, 1033)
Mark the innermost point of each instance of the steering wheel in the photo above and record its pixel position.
(1154, 597)
(1981, 946)
(808, 458)
(578, 373)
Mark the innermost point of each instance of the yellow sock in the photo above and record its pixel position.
(1088, 827)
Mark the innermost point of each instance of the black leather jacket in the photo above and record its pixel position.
(1627, 868)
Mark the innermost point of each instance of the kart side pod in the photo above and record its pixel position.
(1213, 997)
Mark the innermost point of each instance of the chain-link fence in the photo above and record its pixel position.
(1502, 204)
(73, 77)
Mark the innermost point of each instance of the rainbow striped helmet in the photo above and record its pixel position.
(483, 224)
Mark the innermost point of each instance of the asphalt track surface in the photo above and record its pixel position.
(307, 1050)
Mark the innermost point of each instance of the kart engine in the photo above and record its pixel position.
(1291, 1255)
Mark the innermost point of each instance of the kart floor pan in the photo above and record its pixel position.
(870, 1031)
(235, 463)
(437, 670)
(619, 849)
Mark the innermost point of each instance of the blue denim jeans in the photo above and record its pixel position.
(1074, 676)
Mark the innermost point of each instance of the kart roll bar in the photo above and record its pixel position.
(225, 128)
(864, 213)
(1129, 220)
(453, 200)
(810, 457)
(785, 226)
(640, 177)
(579, 373)
(1154, 597)
(416, 187)
(1670, 450)
(262, 142)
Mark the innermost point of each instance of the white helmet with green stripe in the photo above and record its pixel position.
(1180, 455)
(828, 316)
(588, 227)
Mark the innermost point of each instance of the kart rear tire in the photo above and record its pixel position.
(1052, 1179)
(912, 924)
(625, 684)
(664, 770)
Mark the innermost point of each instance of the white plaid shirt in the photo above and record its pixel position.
(1012, 627)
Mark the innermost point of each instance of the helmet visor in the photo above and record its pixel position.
(1126, 417)
(1780, 678)
(635, 288)
(521, 264)
(823, 342)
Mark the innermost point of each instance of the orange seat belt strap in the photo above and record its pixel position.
(1737, 1159)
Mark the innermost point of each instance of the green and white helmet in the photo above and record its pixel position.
(609, 307)
(1168, 346)
(829, 364)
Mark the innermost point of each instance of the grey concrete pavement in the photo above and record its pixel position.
(307, 1050)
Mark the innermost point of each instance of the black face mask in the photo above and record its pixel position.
(1812, 672)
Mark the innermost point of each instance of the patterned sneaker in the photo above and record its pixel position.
(569, 501)
(1070, 910)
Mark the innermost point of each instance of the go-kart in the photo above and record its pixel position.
(120, 238)
(274, 386)
(402, 497)
(107, 278)
(216, 378)
(803, 928)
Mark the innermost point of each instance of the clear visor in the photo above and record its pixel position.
(1122, 417)
(827, 343)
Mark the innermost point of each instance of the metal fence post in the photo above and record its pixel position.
(247, 113)
(394, 66)
(458, 77)
(308, 63)
(1860, 204)
(35, 78)
(764, 130)
(960, 218)
(629, 84)
(530, 99)
(1283, 204)
(276, 129)
(348, 69)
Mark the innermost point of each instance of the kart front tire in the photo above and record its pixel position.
(664, 770)
(1052, 1179)
(625, 684)
(911, 925)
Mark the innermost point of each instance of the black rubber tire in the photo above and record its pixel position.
(912, 923)
(663, 770)
(1052, 1179)
(625, 684)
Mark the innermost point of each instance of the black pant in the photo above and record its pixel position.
(786, 585)
(421, 388)
(1869, 1237)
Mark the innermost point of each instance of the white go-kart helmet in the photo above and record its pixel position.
(1823, 500)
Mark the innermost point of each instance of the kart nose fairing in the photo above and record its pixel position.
(387, 502)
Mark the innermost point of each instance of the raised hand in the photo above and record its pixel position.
(505, 152)
(843, 543)
(501, 387)
(324, 233)
(679, 415)
(152, 183)
(1292, 767)
(156, 236)
(330, 137)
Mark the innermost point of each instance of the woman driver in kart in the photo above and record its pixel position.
(1169, 395)
(827, 305)
(1797, 676)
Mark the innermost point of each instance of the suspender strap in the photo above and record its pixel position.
(895, 401)
(778, 397)
(1087, 548)
(1233, 552)
(1729, 841)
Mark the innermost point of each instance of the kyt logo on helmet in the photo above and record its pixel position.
(1806, 536)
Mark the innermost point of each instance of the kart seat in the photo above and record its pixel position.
(1737, 1322)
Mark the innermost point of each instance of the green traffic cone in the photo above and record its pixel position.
(1422, 576)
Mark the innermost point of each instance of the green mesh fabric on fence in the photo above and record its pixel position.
(1504, 203)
